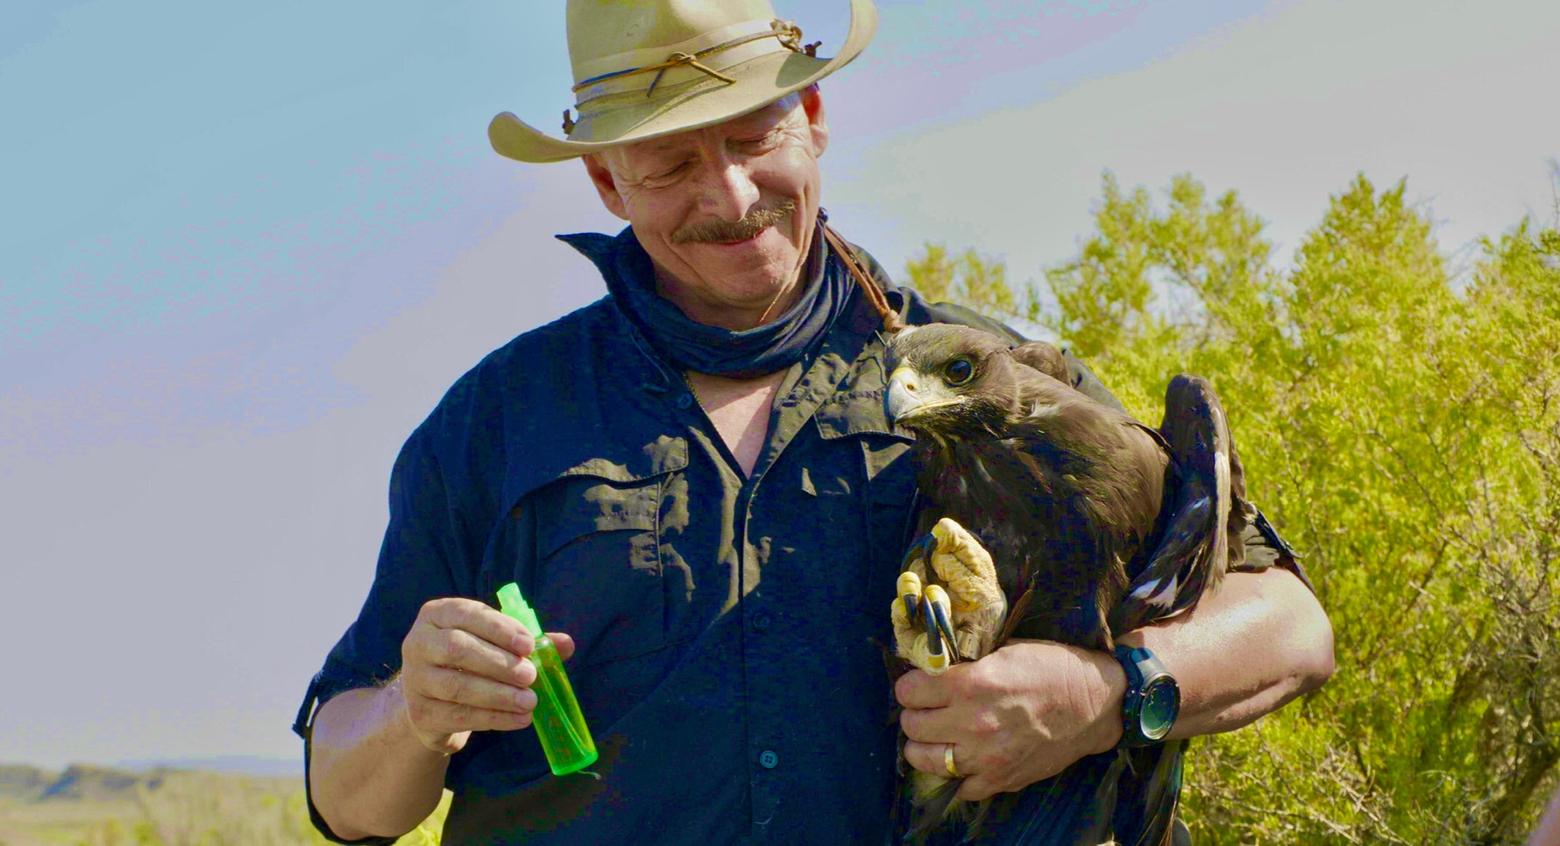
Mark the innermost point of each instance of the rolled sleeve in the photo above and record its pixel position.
(1264, 549)
(417, 558)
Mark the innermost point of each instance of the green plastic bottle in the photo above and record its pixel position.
(559, 724)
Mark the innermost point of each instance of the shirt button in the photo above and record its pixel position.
(760, 621)
(685, 401)
(768, 759)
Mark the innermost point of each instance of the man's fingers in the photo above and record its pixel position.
(928, 725)
(464, 668)
(929, 758)
(472, 616)
(563, 643)
(457, 688)
(918, 689)
(457, 649)
(438, 717)
(976, 788)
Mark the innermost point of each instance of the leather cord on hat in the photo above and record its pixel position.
(869, 286)
(786, 32)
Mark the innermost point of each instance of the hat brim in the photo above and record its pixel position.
(760, 81)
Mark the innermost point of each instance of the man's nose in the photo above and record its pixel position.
(729, 192)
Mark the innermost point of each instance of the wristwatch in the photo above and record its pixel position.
(1153, 698)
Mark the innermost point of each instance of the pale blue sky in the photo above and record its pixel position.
(244, 250)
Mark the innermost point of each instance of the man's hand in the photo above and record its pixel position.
(1021, 714)
(1032, 708)
(464, 669)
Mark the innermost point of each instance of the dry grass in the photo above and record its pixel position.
(188, 809)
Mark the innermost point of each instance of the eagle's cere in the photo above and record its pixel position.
(1081, 521)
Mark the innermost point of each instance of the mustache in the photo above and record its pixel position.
(727, 232)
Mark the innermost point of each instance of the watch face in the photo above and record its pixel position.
(1161, 703)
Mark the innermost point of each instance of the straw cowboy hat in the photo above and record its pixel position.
(645, 68)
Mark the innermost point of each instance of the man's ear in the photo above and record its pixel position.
(606, 186)
(812, 104)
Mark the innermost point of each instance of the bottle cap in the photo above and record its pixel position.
(513, 604)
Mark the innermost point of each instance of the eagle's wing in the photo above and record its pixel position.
(1093, 480)
(1206, 510)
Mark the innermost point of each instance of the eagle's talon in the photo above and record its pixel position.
(910, 593)
(927, 615)
(919, 553)
(908, 615)
(934, 644)
(963, 563)
(936, 651)
(942, 611)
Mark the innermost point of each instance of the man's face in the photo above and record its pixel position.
(726, 212)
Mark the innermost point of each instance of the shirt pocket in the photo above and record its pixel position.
(599, 574)
(887, 487)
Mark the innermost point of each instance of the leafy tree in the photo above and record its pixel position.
(975, 280)
(1402, 427)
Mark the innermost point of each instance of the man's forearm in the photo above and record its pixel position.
(368, 773)
(1033, 708)
(1258, 641)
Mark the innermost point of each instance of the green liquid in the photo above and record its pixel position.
(559, 724)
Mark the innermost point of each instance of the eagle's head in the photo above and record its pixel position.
(950, 381)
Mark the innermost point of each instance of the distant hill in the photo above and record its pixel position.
(20, 781)
(93, 783)
(240, 764)
(86, 803)
(160, 806)
(99, 784)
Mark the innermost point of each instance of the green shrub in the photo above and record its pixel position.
(1401, 425)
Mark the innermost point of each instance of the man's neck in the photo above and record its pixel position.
(739, 408)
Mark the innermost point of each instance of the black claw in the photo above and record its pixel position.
(921, 551)
(934, 641)
(909, 587)
(945, 628)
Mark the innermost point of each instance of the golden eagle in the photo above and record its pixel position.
(1095, 524)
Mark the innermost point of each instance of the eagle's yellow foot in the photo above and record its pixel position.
(916, 635)
(955, 611)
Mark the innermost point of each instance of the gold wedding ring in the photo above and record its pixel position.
(953, 772)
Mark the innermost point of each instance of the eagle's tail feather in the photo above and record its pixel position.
(1015, 616)
(930, 810)
(1149, 796)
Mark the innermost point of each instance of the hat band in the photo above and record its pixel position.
(747, 45)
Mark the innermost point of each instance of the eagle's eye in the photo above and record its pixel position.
(959, 371)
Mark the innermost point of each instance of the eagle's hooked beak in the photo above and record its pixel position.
(902, 399)
(910, 393)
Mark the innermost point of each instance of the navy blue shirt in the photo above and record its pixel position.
(730, 629)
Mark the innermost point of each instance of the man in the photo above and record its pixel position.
(694, 482)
